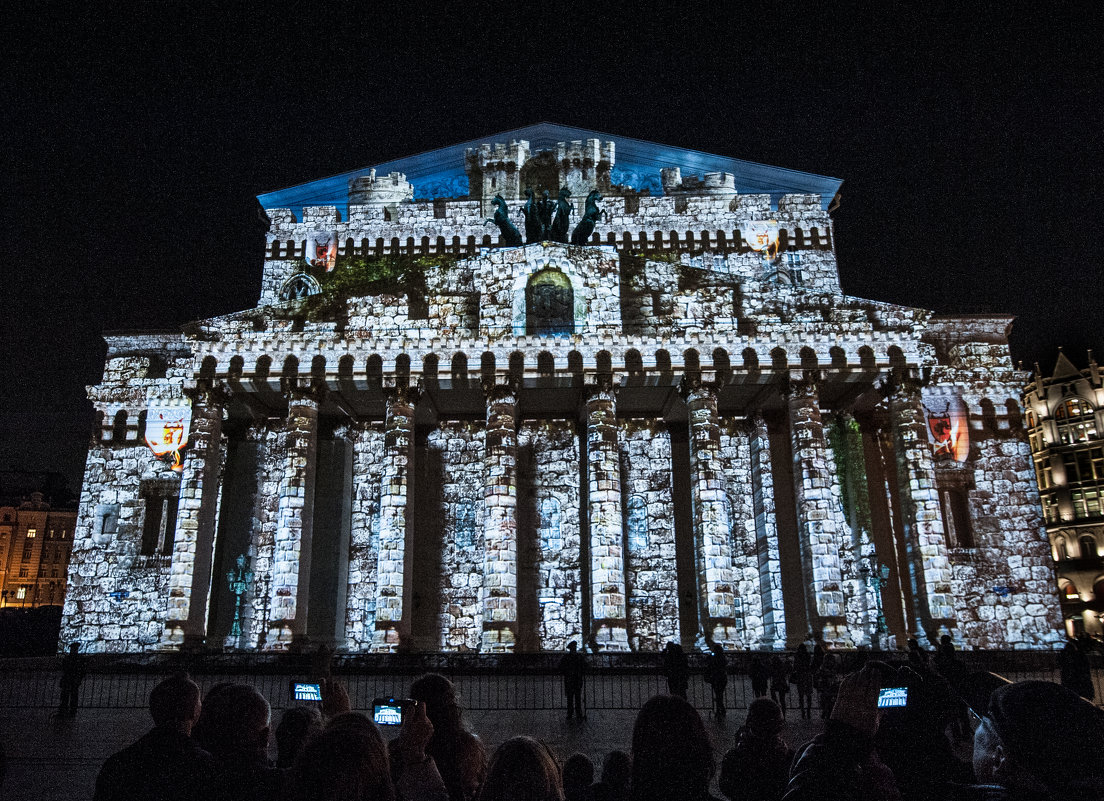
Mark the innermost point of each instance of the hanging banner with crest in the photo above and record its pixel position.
(949, 430)
(167, 424)
(762, 237)
(321, 250)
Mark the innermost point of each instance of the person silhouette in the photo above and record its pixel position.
(572, 667)
(73, 668)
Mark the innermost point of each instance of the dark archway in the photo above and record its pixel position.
(549, 304)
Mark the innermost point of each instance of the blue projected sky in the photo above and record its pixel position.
(440, 173)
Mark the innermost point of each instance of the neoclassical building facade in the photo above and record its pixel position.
(427, 436)
(1065, 418)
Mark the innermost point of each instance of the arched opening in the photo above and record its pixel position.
(119, 427)
(430, 366)
(549, 304)
(546, 364)
(1087, 544)
(459, 372)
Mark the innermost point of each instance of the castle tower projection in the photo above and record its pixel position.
(637, 408)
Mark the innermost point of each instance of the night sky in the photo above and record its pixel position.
(969, 146)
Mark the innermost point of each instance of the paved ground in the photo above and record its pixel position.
(52, 759)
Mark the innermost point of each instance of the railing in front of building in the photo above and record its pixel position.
(485, 682)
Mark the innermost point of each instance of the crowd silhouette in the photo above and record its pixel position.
(1029, 740)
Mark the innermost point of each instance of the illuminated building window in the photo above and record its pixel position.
(32, 533)
(159, 526)
(1086, 502)
(1069, 592)
(1050, 508)
(551, 538)
(1076, 422)
(793, 267)
(21, 593)
(1031, 420)
(1044, 473)
(637, 523)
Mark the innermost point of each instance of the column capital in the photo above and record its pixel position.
(903, 385)
(803, 384)
(495, 392)
(314, 394)
(602, 390)
(209, 394)
(692, 387)
(399, 394)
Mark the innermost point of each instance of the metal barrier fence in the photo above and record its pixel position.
(485, 683)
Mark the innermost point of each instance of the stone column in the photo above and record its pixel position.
(712, 535)
(929, 564)
(291, 558)
(363, 559)
(817, 529)
(766, 534)
(196, 523)
(392, 587)
(500, 522)
(607, 557)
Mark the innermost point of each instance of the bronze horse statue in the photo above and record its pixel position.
(582, 232)
(507, 230)
(563, 213)
(534, 231)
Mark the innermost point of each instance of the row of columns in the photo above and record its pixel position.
(928, 565)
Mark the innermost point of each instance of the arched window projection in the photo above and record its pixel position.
(551, 538)
(636, 521)
(549, 304)
(465, 523)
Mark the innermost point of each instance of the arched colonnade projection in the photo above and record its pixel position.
(499, 500)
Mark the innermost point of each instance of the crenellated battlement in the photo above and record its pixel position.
(368, 190)
(711, 184)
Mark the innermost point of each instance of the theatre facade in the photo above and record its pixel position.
(468, 417)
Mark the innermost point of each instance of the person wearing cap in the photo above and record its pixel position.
(1040, 740)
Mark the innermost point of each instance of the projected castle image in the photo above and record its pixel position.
(435, 433)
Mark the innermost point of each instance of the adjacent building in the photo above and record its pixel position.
(1065, 418)
(35, 544)
(445, 428)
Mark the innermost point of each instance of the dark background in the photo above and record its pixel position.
(969, 141)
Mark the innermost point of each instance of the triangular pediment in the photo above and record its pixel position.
(1064, 368)
(440, 173)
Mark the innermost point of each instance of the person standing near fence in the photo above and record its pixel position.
(573, 667)
(803, 680)
(716, 676)
(676, 667)
(759, 674)
(1073, 662)
(73, 668)
(780, 681)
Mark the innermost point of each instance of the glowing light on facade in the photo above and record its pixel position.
(762, 237)
(167, 429)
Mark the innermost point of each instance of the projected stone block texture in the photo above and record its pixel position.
(652, 462)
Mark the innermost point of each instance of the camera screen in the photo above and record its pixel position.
(387, 714)
(303, 691)
(893, 697)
